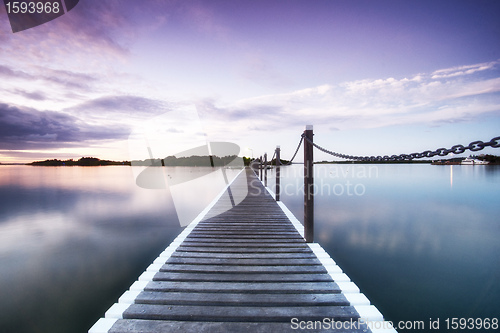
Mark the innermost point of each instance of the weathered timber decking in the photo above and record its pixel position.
(243, 268)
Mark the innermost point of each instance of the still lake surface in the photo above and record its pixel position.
(421, 241)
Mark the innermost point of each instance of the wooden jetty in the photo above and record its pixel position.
(242, 268)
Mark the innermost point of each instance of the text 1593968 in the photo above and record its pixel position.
(32, 7)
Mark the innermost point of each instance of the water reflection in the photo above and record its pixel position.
(72, 239)
(451, 176)
(416, 240)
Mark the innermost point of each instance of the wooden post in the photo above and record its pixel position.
(260, 167)
(265, 169)
(308, 186)
(278, 163)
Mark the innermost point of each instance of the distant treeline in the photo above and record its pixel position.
(201, 161)
(492, 159)
(271, 162)
(376, 162)
(84, 161)
(216, 161)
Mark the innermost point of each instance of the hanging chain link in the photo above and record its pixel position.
(272, 158)
(457, 149)
(296, 150)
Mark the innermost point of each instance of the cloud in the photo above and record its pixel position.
(62, 78)
(370, 103)
(8, 72)
(68, 79)
(27, 128)
(102, 32)
(134, 106)
(93, 28)
(463, 70)
(33, 95)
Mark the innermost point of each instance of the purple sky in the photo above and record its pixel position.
(373, 77)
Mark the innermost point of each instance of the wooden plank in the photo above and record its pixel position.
(229, 235)
(240, 233)
(238, 313)
(242, 241)
(277, 221)
(298, 249)
(248, 214)
(235, 233)
(245, 215)
(262, 277)
(243, 269)
(235, 229)
(244, 233)
(239, 245)
(272, 225)
(238, 299)
(241, 262)
(172, 326)
(244, 287)
(276, 237)
(238, 221)
(265, 255)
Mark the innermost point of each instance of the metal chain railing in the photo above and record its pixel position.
(274, 155)
(457, 149)
(296, 150)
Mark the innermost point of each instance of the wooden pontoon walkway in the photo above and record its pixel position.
(240, 269)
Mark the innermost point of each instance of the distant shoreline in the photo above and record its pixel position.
(375, 162)
(216, 161)
(84, 161)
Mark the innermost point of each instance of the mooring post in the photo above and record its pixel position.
(308, 185)
(278, 163)
(265, 169)
(260, 167)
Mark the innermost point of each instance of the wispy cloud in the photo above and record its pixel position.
(46, 88)
(133, 106)
(33, 95)
(463, 70)
(99, 30)
(7, 72)
(28, 128)
(421, 99)
(67, 79)
(60, 78)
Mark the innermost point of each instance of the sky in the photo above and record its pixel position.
(111, 78)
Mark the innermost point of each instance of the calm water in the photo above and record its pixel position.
(73, 239)
(420, 241)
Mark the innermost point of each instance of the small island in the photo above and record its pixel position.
(201, 161)
(84, 161)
